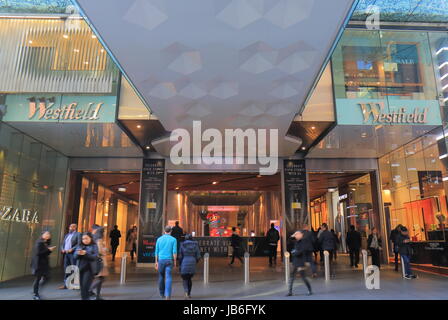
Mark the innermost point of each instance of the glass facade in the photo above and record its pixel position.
(32, 177)
(36, 6)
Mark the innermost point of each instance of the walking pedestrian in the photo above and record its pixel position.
(131, 242)
(298, 262)
(374, 246)
(97, 284)
(114, 236)
(406, 251)
(71, 240)
(310, 243)
(177, 232)
(189, 256)
(393, 238)
(40, 262)
(353, 242)
(336, 244)
(327, 243)
(236, 243)
(88, 260)
(272, 238)
(166, 256)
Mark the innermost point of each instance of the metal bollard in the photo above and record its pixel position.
(327, 265)
(123, 268)
(364, 262)
(287, 266)
(246, 267)
(403, 271)
(206, 267)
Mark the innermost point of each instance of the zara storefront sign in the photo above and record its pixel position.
(388, 112)
(19, 215)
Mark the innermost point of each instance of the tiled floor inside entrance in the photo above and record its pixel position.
(227, 283)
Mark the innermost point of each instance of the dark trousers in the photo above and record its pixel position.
(375, 253)
(396, 260)
(292, 277)
(272, 254)
(187, 283)
(134, 250)
(236, 254)
(37, 282)
(69, 260)
(114, 251)
(96, 286)
(85, 281)
(354, 257)
(309, 258)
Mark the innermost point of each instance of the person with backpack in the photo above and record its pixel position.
(272, 238)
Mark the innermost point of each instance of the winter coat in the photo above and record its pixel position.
(189, 255)
(353, 240)
(369, 241)
(309, 240)
(40, 261)
(394, 237)
(131, 240)
(235, 241)
(272, 236)
(327, 241)
(299, 253)
(115, 236)
(404, 249)
(89, 261)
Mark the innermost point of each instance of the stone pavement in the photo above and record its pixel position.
(227, 283)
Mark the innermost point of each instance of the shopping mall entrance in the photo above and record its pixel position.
(104, 198)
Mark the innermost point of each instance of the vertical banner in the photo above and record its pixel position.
(151, 208)
(296, 198)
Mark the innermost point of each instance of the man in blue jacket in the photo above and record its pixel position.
(166, 256)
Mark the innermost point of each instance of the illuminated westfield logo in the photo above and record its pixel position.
(375, 111)
(46, 109)
(17, 215)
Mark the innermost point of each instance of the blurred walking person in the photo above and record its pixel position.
(97, 284)
(40, 262)
(406, 251)
(71, 240)
(177, 232)
(189, 256)
(298, 262)
(310, 244)
(374, 246)
(236, 243)
(327, 243)
(353, 242)
(393, 238)
(88, 260)
(272, 238)
(131, 242)
(166, 256)
(114, 236)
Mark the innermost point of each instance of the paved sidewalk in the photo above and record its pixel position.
(227, 283)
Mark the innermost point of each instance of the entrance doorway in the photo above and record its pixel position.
(106, 199)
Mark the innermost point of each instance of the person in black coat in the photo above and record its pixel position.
(272, 238)
(309, 238)
(189, 256)
(327, 243)
(353, 242)
(393, 237)
(236, 243)
(298, 262)
(88, 263)
(114, 236)
(40, 262)
(336, 244)
(177, 232)
(405, 251)
(374, 246)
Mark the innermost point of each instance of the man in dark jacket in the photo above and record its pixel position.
(177, 232)
(327, 243)
(298, 261)
(236, 243)
(309, 240)
(71, 240)
(405, 250)
(114, 236)
(40, 262)
(393, 238)
(353, 242)
(272, 237)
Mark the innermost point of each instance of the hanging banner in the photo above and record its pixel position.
(151, 208)
(296, 206)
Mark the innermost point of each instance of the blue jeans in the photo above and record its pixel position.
(165, 280)
(406, 260)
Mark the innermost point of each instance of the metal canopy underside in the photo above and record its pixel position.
(231, 64)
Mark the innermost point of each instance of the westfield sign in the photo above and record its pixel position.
(46, 109)
(375, 111)
(17, 215)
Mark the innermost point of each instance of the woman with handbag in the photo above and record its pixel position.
(98, 237)
(131, 242)
(374, 246)
(87, 256)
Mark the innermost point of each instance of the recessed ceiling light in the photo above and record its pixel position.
(177, 188)
(31, 41)
(139, 126)
(122, 189)
(313, 127)
(65, 36)
(215, 182)
(148, 147)
(93, 36)
(303, 148)
(86, 62)
(76, 50)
